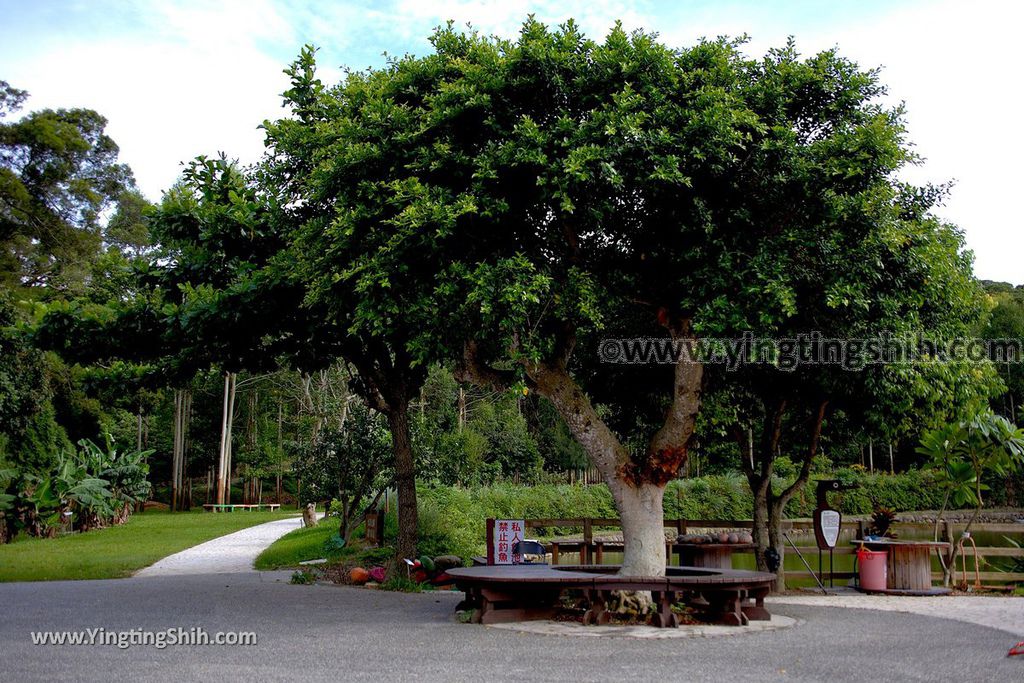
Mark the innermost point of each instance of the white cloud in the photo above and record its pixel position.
(953, 64)
(193, 82)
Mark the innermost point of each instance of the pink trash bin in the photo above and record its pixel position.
(874, 571)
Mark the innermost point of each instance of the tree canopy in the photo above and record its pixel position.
(535, 195)
(58, 176)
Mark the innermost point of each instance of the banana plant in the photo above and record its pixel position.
(8, 503)
(44, 506)
(114, 483)
(92, 485)
(127, 474)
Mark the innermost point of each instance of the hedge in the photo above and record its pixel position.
(452, 519)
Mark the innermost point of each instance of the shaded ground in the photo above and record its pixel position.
(309, 632)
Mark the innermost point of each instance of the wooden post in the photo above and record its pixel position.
(588, 539)
(947, 536)
(490, 539)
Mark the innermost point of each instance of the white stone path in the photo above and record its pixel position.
(228, 554)
(1003, 613)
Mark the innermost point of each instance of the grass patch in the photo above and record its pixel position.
(298, 546)
(403, 585)
(121, 550)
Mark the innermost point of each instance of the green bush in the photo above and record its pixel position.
(451, 519)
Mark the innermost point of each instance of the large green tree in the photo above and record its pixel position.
(58, 176)
(370, 238)
(535, 196)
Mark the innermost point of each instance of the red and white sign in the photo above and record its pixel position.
(502, 538)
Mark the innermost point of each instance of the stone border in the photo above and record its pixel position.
(574, 629)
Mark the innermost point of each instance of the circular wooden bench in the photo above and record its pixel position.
(503, 593)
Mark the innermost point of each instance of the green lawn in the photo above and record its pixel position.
(119, 551)
(298, 546)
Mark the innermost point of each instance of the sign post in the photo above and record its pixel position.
(503, 538)
(828, 523)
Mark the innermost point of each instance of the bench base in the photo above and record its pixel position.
(503, 594)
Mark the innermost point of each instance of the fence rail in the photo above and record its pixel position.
(589, 548)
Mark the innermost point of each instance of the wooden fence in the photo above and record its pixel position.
(801, 533)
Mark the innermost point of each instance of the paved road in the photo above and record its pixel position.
(336, 633)
(1004, 613)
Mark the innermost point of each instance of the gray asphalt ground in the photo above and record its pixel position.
(333, 633)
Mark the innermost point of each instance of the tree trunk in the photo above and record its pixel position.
(229, 454)
(222, 456)
(462, 409)
(640, 502)
(760, 527)
(637, 480)
(183, 474)
(176, 449)
(770, 507)
(405, 479)
(776, 540)
(643, 527)
(280, 451)
(138, 430)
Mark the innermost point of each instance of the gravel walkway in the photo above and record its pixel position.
(1002, 613)
(229, 554)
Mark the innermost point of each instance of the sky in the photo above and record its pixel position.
(183, 78)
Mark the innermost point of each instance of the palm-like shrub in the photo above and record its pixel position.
(86, 488)
(125, 474)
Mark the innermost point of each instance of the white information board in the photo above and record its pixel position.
(830, 527)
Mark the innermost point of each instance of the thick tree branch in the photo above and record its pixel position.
(473, 370)
(812, 450)
(667, 449)
(746, 453)
(602, 446)
(770, 435)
